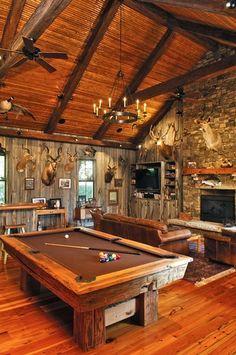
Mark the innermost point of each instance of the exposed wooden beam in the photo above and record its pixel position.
(218, 33)
(143, 71)
(153, 121)
(92, 43)
(43, 16)
(225, 65)
(39, 135)
(12, 22)
(214, 6)
(164, 18)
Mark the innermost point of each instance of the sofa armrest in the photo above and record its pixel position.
(174, 235)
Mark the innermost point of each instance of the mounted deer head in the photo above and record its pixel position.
(50, 169)
(110, 173)
(168, 151)
(71, 162)
(24, 160)
(212, 138)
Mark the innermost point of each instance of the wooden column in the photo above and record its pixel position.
(147, 311)
(89, 328)
(28, 284)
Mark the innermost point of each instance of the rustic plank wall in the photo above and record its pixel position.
(104, 156)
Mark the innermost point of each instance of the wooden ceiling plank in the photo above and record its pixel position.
(141, 74)
(38, 135)
(225, 65)
(154, 120)
(83, 60)
(12, 22)
(43, 16)
(164, 18)
(217, 7)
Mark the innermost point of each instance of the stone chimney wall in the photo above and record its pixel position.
(215, 100)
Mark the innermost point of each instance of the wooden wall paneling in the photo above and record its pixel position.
(16, 187)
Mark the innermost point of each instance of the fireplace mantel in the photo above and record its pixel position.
(207, 171)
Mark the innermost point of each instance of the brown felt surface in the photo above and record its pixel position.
(86, 263)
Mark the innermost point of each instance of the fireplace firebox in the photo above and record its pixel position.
(218, 207)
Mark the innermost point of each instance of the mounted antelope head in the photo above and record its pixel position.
(71, 162)
(50, 169)
(24, 160)
(212, 138)
(110, 173)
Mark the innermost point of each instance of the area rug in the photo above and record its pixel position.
(202, 270)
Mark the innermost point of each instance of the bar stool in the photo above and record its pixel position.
(8, 228)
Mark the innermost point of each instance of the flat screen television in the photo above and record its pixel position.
(149, 179)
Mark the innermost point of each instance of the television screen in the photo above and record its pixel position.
(148, 179)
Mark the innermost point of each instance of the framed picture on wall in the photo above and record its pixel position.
(29, 183)
(113, 197)
(65, 183)
(118, 182)
(39, 199)
(54, 203)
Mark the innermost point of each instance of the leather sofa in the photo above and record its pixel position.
(147, 231)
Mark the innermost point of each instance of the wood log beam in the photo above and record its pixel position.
(43, 16)
(92, 43)
(39, 135)
(153, 121)
(141, 74)
(164, 18)
(217, 33)
(211, 70)
(213, 6)
(12, 22)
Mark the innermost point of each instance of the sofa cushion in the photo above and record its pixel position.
(152, 224)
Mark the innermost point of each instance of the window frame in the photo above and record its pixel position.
(93, 180)
(4, 178)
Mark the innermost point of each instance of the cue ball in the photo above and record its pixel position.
(66, 235)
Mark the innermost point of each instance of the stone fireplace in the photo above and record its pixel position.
(217, 206)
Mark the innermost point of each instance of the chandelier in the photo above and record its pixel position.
(231, 4)
(115, 109)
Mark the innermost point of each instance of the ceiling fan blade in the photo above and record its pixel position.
(10, 51)
(59, 55)
(21, 61)
(45, 65)
(29, 44)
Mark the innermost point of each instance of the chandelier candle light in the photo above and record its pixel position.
(116, 110)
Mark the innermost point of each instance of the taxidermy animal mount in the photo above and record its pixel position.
(50, 169)
(7, 106)
(24, 160)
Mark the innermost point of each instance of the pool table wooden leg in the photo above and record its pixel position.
(89, 328)
(28, 284)
(147, 310)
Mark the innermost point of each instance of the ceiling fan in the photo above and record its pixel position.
(179, 96)
(30, 52)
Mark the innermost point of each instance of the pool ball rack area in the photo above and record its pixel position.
(71, 269)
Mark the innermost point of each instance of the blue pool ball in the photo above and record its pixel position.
(66, 236)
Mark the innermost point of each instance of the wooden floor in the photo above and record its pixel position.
(191, 321)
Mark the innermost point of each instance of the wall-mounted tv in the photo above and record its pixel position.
(149, 179)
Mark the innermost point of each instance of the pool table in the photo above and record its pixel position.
(66, 261)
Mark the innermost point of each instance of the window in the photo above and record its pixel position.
(86, 179)
(2, 177)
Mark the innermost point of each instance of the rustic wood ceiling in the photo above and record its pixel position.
(162, 41)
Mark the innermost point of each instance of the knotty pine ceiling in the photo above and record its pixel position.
(162, 41)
